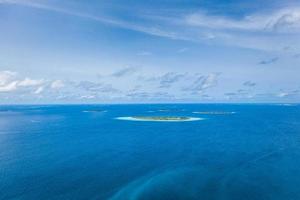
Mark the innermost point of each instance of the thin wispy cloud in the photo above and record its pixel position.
(168, 79)
(202, 83)
(284, 20)
(96, 87)
(144, 53)
(150, 96)
(249, 84)
(267, 30)
(284, 93)
(87, 97)
(269, 61)
(151, 30)
(182, 50)
(201, 26)
(124, 72)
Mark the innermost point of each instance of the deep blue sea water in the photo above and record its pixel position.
(62, 152)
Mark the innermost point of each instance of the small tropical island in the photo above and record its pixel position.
(160, 118)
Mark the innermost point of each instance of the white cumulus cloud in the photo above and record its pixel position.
(7, 82)
(30, 82)
(9, 87)
(39, 90)
(57, 84)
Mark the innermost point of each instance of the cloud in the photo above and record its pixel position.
(182, 50)
(170, 86)
(203, 82)
(9, 81)
(166, 80)
(284, 20)
(6, 76)
(180, 84)
(30, 82)
(276, 96)
(57, 84)
(96, 87)
(39, 90)
(15, 84)
(136, 88)
(124, 72)
(230, 94)
(210, 81)
(150, 96)
(9, 87)
(283, 94)
(270, 61)
(267, 31)
(274, 27)
(87, 97)
(249, 84)
(138, 95)
(150, 30)
(240, 94)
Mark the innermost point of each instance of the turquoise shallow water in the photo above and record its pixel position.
(81, 152)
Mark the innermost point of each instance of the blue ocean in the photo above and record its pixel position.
(237, 152)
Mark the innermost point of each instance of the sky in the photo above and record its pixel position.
(154, 51)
